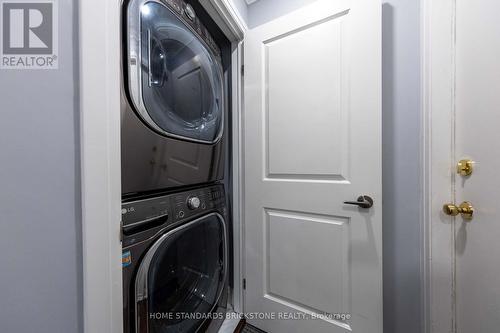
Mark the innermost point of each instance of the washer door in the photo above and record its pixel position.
(182, 276)
(175, 81)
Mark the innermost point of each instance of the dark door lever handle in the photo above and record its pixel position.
(364, 201)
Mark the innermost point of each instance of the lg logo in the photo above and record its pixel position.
(29, 31)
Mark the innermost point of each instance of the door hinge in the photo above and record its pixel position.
(244, 284)
(242, 70)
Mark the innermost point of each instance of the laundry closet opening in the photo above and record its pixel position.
(176, 139)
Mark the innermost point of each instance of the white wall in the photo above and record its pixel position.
(401, 154)
(40, 231)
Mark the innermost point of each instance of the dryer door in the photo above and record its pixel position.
(175, 80)
(182, 276)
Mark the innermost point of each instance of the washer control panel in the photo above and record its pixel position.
(150, 214)
(196, 201)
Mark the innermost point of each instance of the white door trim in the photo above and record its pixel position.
(100, 164)
(238, 177)
(438, 101)
(99, 38)
(234, 27)
(227, 18)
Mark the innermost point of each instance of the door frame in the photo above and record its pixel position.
(99, 24)
(438, 24)
(99, 40)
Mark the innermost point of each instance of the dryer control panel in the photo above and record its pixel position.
(187, 13)
(145, 217)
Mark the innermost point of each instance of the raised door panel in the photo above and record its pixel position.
(305, 102)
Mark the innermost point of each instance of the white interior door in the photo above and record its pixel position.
(312, 140)
(477, 137)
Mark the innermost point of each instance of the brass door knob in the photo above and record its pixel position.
(465, 209)
(465, 167)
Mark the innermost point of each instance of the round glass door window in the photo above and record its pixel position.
(181, 80)
(186, 276)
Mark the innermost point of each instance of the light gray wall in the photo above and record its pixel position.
(401, 154)
(241, 7)
(401, 165)
(40, 237)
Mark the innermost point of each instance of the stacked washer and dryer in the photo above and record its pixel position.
(175, 220)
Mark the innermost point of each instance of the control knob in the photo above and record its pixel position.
(193, 203)
(189, 12)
